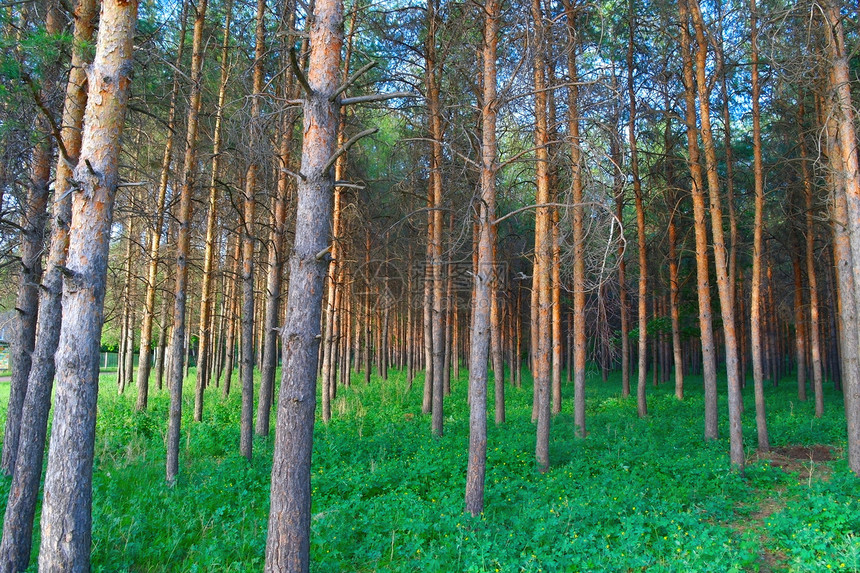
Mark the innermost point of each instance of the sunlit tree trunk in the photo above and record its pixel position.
(755, 298)
(721, 256)
(543, 247)
(703, 288)
(578, 366)
(189, 174)
(288, 543)
(66, 526)
(849, 189)
(145, 363)
(16, 542)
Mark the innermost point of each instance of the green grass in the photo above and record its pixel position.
(636, 494)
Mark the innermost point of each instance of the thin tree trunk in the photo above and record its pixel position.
(435, 119)
(32, 239)
(812, 281)
(543, 247)
(246, 425)
(579, 340)
(641, 403)
(144, 365)
(721, 257)
(206, 288)
(189, 173)
(703, 288)
(232, 303)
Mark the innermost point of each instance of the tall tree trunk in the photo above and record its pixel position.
(618, 188)
(812, 281)
(144, 365)
(579, 341)
(232, 303)
(183, 245)
(543, 247)
(674, 282)
(721, 257)
(843, 113)
(755, 297)
(486, 277)
(206, 288)
(16, 542)
(703, 287)
(66, 526)
(32, 239)
(288, 543)
(436, 159)
(333, 295)
(641, 404)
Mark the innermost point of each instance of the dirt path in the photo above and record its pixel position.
(808, 463)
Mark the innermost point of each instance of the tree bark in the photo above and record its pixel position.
(703, 287)
(579, 341)
(721, 256)
(288, 544)
(755, 297)
(543, 247)
(144, 364)
(66, 526)
(32, 239)
(16, 542)
(183, 245)
(486, 277)
(206, 288)
(435, 120)
(849, 191)
(641, 403)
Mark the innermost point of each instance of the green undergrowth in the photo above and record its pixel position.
(636, 494)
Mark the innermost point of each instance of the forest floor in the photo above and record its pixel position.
(635, 495)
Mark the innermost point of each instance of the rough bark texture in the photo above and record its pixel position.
(721, 256)
(436, 160)
(579, 341)
(288, 543)
(16, 543)
(66, 524)
(849, 188)
(543, 254)
(485, 278)
(32, 244)
(709, 365)
(183, 242)
(641, 404)
(207, 287)
(246, 425)
(758, 229)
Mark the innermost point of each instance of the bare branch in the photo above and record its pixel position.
(294, 63)
(375, 97)
(352, 80)
(345, 147)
